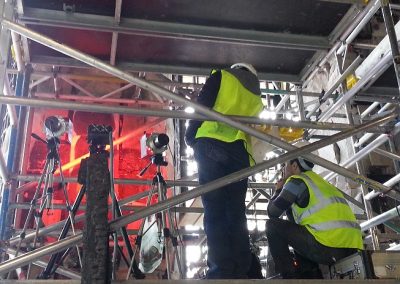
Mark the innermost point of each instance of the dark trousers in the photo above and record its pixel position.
(225, 221)
(282, 233)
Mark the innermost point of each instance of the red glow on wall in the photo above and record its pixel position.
(127, 161)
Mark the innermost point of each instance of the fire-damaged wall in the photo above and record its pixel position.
(127, 157)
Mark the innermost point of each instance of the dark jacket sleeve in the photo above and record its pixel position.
(206, 97)
(294, 191)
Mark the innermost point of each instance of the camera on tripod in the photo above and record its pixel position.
(154, 144)
(58, 127)
(56, 130)
(157, 142)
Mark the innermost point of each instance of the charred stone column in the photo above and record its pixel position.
(96, 260)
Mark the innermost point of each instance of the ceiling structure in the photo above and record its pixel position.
(285, 40)
(280, 38)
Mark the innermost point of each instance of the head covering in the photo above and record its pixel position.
(246, 66)
(304, 165)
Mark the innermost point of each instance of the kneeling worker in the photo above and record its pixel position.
(321, 228)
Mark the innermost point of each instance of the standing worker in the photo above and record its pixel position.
(219, 150)
(321, 228)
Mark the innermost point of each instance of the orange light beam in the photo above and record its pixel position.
(120, 140)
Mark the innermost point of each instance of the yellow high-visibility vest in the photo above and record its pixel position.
(327, 217)
(237, 95)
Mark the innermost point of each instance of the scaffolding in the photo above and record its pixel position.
(365, 132)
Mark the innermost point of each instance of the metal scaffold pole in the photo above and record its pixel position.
(92, 61)
(56, 104)
(166, 204)
(360, 170)
(387, 16)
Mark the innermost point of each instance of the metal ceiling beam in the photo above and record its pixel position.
(346, 21)
(34, 16)
(347, 36)
(79, 87)
(367, 13)
(340, 29)
(130, 110)
(39, 81)
(90, 60)
(38, 75)
(78, 98)
(114, 39)
(24, 40)
(359, 2)
(156, 68)
(378, 94)
(117, 91)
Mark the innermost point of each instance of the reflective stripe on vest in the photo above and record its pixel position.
(323, 201)
(327, 217)
(321, 205)
(335, 225)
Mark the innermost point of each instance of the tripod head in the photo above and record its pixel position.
(52, 146)
(156, 159)
(98, 138)
(52, 162)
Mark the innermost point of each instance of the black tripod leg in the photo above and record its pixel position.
(55, 259)
(174, 241)
(137, 273)
(60, 260)
(123, 256)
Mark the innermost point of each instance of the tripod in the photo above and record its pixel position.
(98, 155)
(46, 178)
(165, 233)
